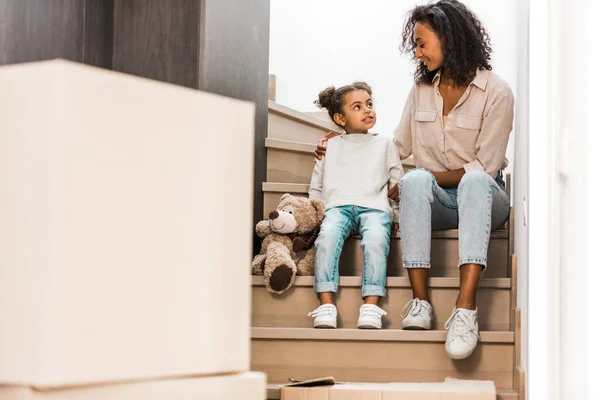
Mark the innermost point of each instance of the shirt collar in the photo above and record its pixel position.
(480, 80)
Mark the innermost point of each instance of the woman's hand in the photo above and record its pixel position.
(321, 148)
(395, 227)
(393, 193)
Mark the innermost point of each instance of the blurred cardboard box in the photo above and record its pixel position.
(245, 386)
(126, 227)
(449, 390)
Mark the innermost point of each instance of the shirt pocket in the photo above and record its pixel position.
(426, 126)
(467, 132)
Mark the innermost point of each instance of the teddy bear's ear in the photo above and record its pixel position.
(320, 207)
(285, 196)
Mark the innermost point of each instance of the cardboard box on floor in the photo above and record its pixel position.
(451, 389)
(126, 227)
(246, 386)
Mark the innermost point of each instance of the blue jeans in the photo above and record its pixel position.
(477, 206)
(374, 226)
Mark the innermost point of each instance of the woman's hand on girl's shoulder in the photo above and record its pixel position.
(321, 146)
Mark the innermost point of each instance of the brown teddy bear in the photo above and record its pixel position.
(288, 238)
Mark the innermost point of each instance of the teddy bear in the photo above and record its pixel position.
(287, 247)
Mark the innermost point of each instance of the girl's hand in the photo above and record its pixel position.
(393, 193)
(395, 227)
(321, 149)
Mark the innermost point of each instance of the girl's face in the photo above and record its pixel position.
(429, 47)
(358, 114)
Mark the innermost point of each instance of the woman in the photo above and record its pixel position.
(456, 124)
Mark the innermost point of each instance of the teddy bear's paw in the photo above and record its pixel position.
(258, 265)
(281, 279)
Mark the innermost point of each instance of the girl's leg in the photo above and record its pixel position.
(335, 228)
(482, 206)
(375, 228)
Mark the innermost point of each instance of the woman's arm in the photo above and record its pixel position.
(321, 148)
(497, 124)
(449, 179)
(403, 131)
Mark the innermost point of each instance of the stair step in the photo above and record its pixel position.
(292, 162)
(444, 245)
(289, 161)
(290, 310)
(353, 355)
(372, 335)
(274, 393)
(288, 124)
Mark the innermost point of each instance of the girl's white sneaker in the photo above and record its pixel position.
(325, 316)
(370, 317)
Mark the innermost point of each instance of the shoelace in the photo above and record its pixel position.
(462, 326)
(325, 309)
(414, 307)
(372, 311)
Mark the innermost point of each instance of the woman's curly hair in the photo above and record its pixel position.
(465, 42)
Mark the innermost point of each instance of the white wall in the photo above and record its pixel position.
(521, 175)
(317, 43)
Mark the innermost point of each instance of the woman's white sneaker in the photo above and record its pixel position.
(370, 317)
(417, 315)
(325, 316)
(463, 333)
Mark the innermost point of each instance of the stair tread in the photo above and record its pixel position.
(309, 148)
(395, 282)
(398, 335)
(282, 144)
(302, 117)
(274, 392)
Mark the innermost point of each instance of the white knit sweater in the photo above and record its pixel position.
(358, 170)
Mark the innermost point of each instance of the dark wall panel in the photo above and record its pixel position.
(235, 63)
(98, 33)
(157, 39)
(77, 30)
(32, 30)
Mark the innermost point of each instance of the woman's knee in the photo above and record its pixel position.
(474, 180)
(475, 187)
(416, 181)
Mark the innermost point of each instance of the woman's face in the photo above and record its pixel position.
(429, 47)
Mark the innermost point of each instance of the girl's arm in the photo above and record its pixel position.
(315, 190)
(396, 173)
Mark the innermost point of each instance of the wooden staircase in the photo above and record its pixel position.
(284, 344)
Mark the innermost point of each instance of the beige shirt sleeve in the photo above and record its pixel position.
(403, 132)
(496, 127)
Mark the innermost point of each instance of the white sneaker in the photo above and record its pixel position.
(325, 316)
(463, 333)
(417, 315)
(370, 317)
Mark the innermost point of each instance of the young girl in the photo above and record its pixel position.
(456, 124)
(353, 182)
